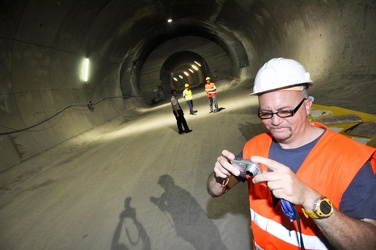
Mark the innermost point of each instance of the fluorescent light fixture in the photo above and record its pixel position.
(180, 77)
(169, 20)
(191, 71)
(175, 79)
(186, 73)
(197, 63)
(86, 70)
(194, 67)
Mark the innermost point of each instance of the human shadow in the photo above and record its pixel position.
(129, 222)
(249, 130)
(188, 218)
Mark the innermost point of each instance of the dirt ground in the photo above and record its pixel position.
(134, 183)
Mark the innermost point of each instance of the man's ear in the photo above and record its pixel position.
(308, 104)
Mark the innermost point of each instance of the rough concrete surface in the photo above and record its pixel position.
(94, 191)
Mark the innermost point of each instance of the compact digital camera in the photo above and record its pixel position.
(250, 168)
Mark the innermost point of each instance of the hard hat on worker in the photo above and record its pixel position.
(186, 85)
(207, 78)
(281, 73)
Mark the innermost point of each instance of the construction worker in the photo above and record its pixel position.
(317, 188)
(187, 94)
(179, 114)
(211, 91)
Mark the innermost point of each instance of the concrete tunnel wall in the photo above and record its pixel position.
(42, 46)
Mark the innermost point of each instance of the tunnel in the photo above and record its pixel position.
(131, 49)
(71, 68)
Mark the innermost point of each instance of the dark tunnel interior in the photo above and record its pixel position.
(69, 67)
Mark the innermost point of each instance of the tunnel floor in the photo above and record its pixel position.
(134, 183)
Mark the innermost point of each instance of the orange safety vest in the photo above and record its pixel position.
(329, 169)
(210, 89)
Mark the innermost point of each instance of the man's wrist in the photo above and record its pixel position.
(310, 200)
(322, 207)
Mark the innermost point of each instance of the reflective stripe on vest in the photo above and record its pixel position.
(188, 95)
(289, 236)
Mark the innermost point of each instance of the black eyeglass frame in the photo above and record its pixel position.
(290, 114)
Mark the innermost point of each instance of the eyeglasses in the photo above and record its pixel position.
(281, 113)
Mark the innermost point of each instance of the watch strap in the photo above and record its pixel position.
(317, 213)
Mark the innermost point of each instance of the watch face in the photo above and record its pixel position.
(325, 207)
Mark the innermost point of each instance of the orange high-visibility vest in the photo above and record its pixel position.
(329, 169)
(210, 89)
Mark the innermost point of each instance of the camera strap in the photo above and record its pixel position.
(291, 212)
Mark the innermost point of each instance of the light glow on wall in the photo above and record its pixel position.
(86, 70)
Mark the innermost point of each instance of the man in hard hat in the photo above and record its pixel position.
(316, 188)
(187, 95)
(179, 114)
(211, 91)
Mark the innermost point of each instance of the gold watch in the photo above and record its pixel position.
(322, 208)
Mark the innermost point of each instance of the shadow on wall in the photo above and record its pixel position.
(189, 219)
(128, 219)
(249, 130)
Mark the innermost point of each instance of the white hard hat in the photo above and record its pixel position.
(280, 73)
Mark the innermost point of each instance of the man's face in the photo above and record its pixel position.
(285, 130)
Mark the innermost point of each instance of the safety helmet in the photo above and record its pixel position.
(280, 73)
(186, 85)
(207, 78)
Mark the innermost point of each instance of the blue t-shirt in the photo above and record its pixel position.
(359, 199)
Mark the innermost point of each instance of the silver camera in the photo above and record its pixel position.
(250, 168)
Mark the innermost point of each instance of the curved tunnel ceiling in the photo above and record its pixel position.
(131, 45)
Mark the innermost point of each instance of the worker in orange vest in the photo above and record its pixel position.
(211, 91)
(313, 188)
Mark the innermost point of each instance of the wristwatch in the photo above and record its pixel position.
(322, 208)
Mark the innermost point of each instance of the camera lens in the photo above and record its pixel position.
(252, 169)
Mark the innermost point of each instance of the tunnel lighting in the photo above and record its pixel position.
(191, 71)
(169, 20)
(180, 76)
(86, 70)
(186, 73)
(197, 63)
(194, 67)
(175, 79)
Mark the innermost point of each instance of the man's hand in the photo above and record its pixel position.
(223, 168)
(221, 179)
(284, 183)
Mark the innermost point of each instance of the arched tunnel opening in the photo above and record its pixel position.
(184, 67)
(76, 142)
